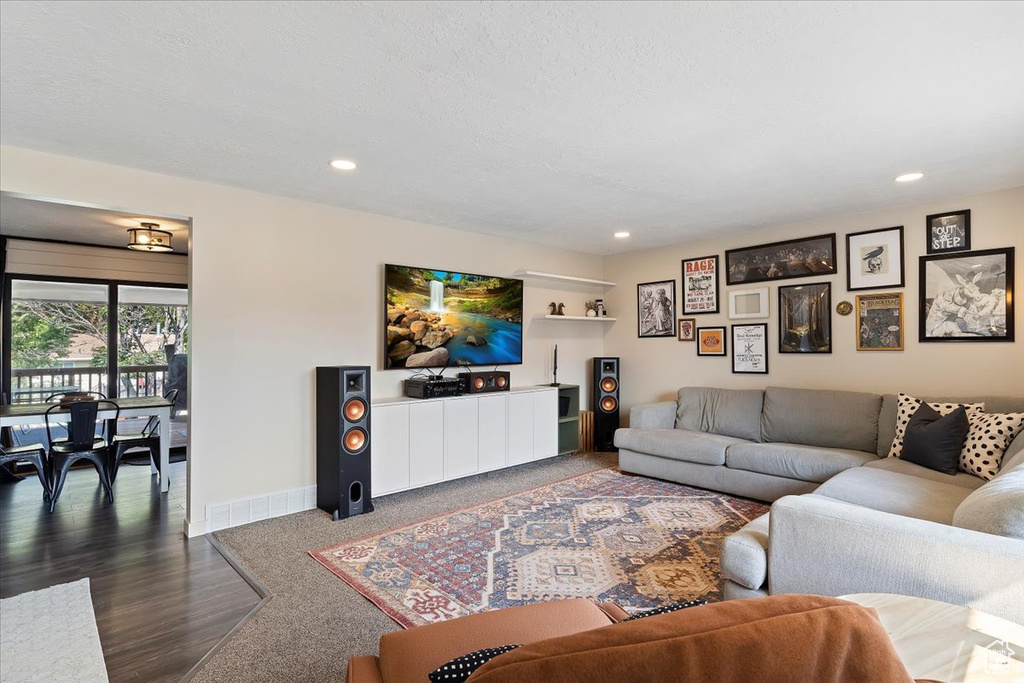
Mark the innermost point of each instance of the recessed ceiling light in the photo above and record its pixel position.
(343, 164)
(909, 177)
(622, 234)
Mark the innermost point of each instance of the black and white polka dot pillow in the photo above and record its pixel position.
(987, 440)
(460, 668)
(668, 608)
(906, 408)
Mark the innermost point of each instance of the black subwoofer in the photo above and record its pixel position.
(343, 440)
(604, 396)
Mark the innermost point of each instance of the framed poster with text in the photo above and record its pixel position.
(750, 348)
(700, 285)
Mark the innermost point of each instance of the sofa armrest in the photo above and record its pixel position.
(653, 416)
(363, 669)
(823, 546)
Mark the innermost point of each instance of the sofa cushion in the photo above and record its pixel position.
(777, 639)
(678, 444)
(745, 554)
(890, 409)
(831, 419)
(995, 508)
(899, 494)
(793, 461)
(963, 479)
(728, 412)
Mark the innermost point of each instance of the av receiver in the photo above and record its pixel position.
(433, 387)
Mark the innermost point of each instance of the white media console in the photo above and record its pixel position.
(422, 441)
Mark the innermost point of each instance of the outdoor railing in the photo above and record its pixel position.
(30, 385)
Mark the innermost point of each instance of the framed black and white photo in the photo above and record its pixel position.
(656, 309)
(748, 303)
(949, 231)
(967, 296)
(711, 341)
(750, 348)
(874, 259)
(880, 322)
(804, 257)
(805, 318)
(700, 285)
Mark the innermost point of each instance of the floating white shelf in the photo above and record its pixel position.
(564, 278)
(577, 317)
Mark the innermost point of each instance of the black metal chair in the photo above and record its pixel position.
(34, 453)
(82, 444)
(148, 438)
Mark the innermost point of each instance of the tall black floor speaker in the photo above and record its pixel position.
(604, 396)
(343, 440)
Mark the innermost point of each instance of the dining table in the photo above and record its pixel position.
(23, 414)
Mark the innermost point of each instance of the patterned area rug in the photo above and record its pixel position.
(604, 535)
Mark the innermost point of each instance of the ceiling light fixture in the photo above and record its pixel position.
(343, 165)
(622, 235)
(909, 177)
(149, 237)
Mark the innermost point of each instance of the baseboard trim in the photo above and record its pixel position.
(246, 510)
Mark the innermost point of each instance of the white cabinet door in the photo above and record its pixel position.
(426, 443)
(389, 444)
(493, 432)
(520, 428)
(545, 423)
(461, 437)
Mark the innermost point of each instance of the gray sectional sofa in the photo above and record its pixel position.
(846, 518)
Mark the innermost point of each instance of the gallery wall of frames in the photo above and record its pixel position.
(925, 290)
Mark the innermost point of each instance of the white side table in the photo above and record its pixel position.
(945, 642)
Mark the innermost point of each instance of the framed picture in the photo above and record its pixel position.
(805, 318)
(874, 259)
(967, 296)
(687, 329)
(710, 341)
(880, 322)
(748, 303)
(656, 309)
(805, 257)
(750, 348)
(700, 285)
(949, 231)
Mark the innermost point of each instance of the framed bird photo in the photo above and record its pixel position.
(874, 259)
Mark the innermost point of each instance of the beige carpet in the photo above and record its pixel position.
(314, 622)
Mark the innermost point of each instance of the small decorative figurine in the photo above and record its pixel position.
(561, 309)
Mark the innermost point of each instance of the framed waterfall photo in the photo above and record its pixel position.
(656, 309)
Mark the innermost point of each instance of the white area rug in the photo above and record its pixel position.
(50, 635)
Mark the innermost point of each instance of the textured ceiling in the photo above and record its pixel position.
(40, 219)
(555, 122)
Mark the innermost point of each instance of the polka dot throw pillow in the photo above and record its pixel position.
(460, 668)
(906, 408)
(987, 440)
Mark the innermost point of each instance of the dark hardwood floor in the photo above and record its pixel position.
(162, 601)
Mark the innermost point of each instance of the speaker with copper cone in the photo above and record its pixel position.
(604, 396)
(343, 441)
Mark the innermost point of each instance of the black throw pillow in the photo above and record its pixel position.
(667, 608)
(935, 441)
(460, 668)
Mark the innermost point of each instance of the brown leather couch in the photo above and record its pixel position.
(773, 640)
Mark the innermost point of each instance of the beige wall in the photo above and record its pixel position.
(280, 286)
(653, 369)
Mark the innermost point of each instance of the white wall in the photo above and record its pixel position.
(280, 286)
(653, 369)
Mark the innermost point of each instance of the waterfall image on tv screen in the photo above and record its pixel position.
(437, 318)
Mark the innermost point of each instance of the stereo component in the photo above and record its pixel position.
(486, 382)
(432, 387)
(343, 441)
(604, 394)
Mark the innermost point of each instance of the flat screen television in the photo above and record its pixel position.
(439, 318)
